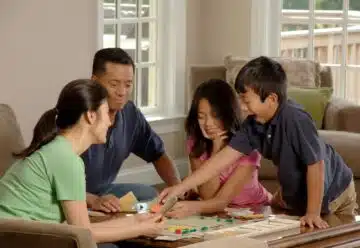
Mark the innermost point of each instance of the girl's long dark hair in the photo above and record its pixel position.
(76, 98)
(224, 103)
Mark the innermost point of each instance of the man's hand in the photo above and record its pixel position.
(107, 203)
(313, 220)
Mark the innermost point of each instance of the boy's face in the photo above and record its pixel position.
(262, 110)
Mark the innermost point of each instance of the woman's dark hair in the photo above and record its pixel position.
(224, 103)
(76, 98)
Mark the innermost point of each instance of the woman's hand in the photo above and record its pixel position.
(150, 225)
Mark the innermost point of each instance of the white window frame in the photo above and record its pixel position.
(266, 21)
(170, 58)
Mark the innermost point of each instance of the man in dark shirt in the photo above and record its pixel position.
(129, 133)
(311, 173)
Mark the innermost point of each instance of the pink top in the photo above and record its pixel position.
(253, 192)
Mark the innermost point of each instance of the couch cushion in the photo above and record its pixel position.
(314, 101)
(11, 139)
(24, 233)
(347, 145)
(300, 72)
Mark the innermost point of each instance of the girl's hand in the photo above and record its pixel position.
(183, 209)
(219, 139)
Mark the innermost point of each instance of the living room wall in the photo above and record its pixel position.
(45, 44)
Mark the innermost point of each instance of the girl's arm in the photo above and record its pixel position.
(208, 189)
(108, 231)
(241, 176)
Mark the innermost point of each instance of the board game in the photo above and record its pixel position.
(210, 228)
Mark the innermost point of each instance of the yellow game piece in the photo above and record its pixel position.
(127, 202)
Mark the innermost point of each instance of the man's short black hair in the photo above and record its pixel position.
(264, 76)
(112, 55)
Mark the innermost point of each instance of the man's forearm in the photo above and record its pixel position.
(315, 188)
(167, 170)
(90, 199)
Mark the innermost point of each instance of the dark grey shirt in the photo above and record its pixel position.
(292, 142)
(131, 133)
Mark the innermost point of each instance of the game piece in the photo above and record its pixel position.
(127, 202)
(193, 230)
(229, 220)
(218, 219)
(155, 208)
(204, 228)
(178, 231)
(185, 231)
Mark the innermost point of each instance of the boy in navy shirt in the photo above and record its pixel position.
(314, 179)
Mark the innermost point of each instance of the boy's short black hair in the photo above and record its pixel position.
(112, 55)
(264, 76)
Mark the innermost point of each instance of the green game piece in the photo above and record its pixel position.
(185, 231)
(229, 220)
(218, 219)
(204, 228)
(193, 230)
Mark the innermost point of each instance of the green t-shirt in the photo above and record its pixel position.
(32, 188)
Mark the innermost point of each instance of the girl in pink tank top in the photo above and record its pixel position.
(213, 118)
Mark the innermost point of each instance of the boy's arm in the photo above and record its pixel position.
(211, 168)
(315, 188)
(229, 190)
(307, 145)
(208, 189)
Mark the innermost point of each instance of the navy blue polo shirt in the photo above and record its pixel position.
(291, 141)
(131, 133)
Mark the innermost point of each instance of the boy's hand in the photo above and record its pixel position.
(183, 209)
(313, 220)
(174, 191)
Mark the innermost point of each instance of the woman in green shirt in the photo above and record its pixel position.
(47, 182)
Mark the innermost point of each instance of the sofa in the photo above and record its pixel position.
(340, 125)
(20, 233)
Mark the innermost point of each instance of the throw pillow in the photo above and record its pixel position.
(314, 101)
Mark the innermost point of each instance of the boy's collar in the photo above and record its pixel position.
(276, 116)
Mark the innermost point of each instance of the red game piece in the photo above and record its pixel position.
(178, 231)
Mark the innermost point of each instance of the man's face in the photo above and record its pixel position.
(251, 104)
(118, 80)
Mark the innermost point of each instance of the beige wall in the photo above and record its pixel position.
(46, 43)
(216, 29)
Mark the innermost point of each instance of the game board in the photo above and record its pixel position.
(255, 229)
(195, 226)
(214, 227)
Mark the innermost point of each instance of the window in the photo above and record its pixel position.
(327, 31)
(133, 26)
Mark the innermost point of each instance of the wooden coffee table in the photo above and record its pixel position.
(343, 230)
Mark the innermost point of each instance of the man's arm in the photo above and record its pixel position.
(150, 147)
(167, 170)
(90, 199)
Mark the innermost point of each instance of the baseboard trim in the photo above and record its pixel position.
(146, 174)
